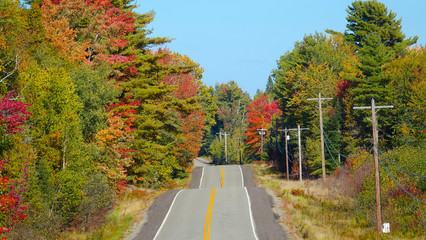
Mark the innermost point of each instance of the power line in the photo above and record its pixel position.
(401, 167)
(327, 139)
(326, 144)
(393, 178)
(333, 146)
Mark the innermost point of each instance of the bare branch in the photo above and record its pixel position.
(17, 61)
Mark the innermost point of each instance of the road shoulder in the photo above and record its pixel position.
(155, 216)
(248, 176)
(196, 177)
(267, 226)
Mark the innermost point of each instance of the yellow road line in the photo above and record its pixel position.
(206, 235)
(211, 211)
(222, 180)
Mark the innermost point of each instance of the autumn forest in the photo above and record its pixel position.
(92, 106)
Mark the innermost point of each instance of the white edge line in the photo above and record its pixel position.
(251, 215)
(168, 212)
(242, 176)
(201, 179)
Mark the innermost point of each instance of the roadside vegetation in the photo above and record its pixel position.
(336, 210)
(128, 210)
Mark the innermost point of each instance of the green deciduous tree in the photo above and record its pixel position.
(95, 92)
(231, 118)
(324, 64)
(407, 85)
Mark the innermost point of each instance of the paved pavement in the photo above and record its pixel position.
(220, 206)
(200, 162)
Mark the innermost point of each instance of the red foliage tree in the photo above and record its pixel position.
(12, 115)
(260, 113)
(12, 209)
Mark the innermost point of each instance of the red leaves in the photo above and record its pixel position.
(120, 58)
(118, 42)
(343, 88)
(12, 114)
(12, 209)
(118, 22)
(260, 113)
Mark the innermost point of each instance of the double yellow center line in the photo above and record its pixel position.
(206, 235)
(222, 180)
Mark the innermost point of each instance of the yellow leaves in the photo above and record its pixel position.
(404, 129)
(311, 80)
(419, 94)
(112, 173)
(2, 47)
(351, 68)
(116, 131)
(55, 139)
(357, 160)
(2, 41)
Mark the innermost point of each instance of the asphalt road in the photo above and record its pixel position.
(222, 204)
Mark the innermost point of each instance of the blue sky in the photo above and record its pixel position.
(241, 40)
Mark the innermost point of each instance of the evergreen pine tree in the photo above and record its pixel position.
(378, 37)
(365, 17)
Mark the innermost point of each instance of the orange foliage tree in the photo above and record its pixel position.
(86, 30)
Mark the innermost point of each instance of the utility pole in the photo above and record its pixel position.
(373, 108)
(220, 135)
(262, 133)
(286, 150)
(320, 99)
(298, 129)
(286, 154)
(226, 145)
(300, 150)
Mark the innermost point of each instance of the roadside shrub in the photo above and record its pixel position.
(405, 214)
(98, 196)
(351, 181)
(137, 193)
(298, 192)
(216, 151)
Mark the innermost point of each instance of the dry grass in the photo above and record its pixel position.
(128, 211)
(313, 210)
